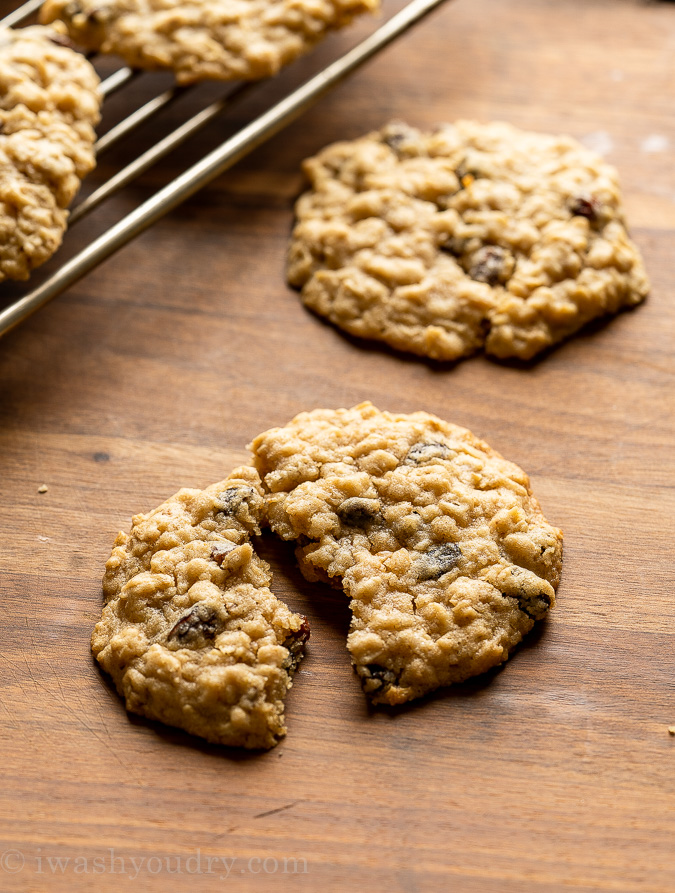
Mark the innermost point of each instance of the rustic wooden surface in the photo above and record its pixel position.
(556, 772)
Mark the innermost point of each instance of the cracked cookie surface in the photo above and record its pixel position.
(220, 39)
(191, 634)
(471, 236)
(49, 105)
(436, 539)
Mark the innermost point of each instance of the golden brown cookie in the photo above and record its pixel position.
(49, 105)
(199, 39)
(191, 634)
(471, 236)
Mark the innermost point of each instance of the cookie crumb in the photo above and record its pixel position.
(43, 488)
(671, 730)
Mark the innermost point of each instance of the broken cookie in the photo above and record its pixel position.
(191, 633)
(435, 538)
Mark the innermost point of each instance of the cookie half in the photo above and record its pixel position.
(471, 236)
(436, 539)
(199, 39)
(49, 105)
(191, 634)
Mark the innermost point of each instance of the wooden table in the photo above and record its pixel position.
(555, 773)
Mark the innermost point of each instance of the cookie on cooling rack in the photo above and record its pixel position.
(200, 39)
(191, 634)
(437, 540)
(471, 236)
(49, 105)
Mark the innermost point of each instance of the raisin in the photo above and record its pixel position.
(375, 678)
(295, 642)
(421, 453)
(394, 140)
(232, 499)
(358, 512)
(535, 605)
(220, 550)
(397, 133)
(439, 560)
(465, 174)
(587, 207)
(485, 324)
(489, 265)
(201, 623)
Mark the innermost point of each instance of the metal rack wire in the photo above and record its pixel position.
(199, 174)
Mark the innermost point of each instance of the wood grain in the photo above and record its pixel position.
(556, 772)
